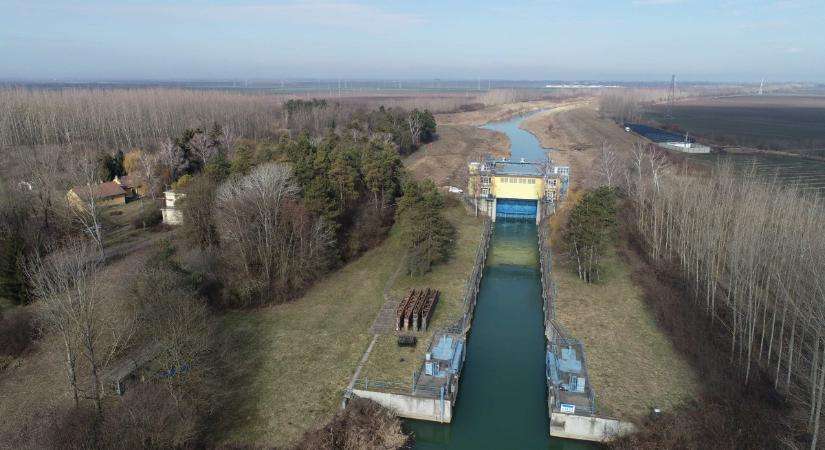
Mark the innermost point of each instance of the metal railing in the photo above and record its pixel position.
(558, 336)
(458, 327)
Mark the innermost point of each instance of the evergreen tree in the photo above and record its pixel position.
(243, 159)
(381, 169)
(590, 228)
(218, 168)
(12, 278)
(429, 237)
(117, 165)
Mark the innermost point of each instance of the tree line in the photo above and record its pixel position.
(112, 119)
(752, 253)
(281, 213)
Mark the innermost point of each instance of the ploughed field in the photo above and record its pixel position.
(771, 122)
(788, 170)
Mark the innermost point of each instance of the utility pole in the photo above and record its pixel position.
(671, 97)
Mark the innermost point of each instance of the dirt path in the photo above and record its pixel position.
(576, 132)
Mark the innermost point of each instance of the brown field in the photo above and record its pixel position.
(767, 122)
(575, 132)
(445, 160)
(499, 112)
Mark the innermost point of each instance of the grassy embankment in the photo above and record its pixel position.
(633, 366)
(292, 362)
(392, 363)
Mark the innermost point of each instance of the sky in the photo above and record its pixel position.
(606, 40)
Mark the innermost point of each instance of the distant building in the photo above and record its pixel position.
(503, 188)
(132, 184)
(668, 140)
(104, 194)
(172, 215)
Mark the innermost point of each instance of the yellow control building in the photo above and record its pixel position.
(516, 189)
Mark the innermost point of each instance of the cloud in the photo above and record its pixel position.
(794, 50)
(321, 12)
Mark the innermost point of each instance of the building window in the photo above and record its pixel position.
(531, 181)
(485, 192)
(485, 180)
(551, 195)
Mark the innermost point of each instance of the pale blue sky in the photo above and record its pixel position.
(726, 40)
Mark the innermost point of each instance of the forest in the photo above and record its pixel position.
(747, 255)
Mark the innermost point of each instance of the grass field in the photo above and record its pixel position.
(289, 364)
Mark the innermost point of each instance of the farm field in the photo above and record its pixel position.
(769, 122)
(789, 170)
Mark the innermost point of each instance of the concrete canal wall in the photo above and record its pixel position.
(592, 428)
(407, 406)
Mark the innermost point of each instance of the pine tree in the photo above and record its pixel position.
(429, 237)
(590, 228)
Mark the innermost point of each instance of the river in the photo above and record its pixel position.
(502, 400)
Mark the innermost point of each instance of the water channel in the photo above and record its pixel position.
(502, 400)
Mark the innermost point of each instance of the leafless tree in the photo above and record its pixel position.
(608, 165)
(203, 146)
(415, 125)
(85, 208)
(65, 283)
(752, 252)
(275, 239)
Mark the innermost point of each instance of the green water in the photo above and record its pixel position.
(502, 400)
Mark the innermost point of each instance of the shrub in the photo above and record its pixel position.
(363, 425)
(17, 331)
(148, 216)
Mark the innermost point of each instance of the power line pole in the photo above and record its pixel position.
(671, 97)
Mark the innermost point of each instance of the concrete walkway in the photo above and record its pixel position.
(361, 363)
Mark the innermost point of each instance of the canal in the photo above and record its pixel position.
(502, 400)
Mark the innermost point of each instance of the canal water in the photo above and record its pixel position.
(502, 400)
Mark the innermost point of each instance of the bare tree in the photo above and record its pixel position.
(168, 158)
(85, 207)
(608, 165)
(274, 237)
(148, 167)
(415, 125)
(66, 285)
(203, 146)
